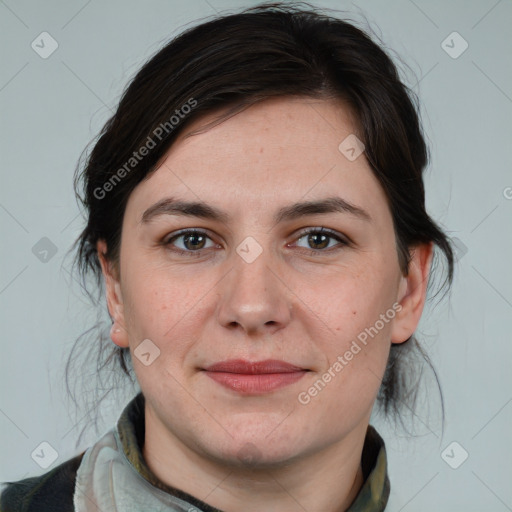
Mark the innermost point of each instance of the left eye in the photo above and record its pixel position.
(320, 239)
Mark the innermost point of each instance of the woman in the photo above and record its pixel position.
(256, 208)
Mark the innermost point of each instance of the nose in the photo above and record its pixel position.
(254, 297)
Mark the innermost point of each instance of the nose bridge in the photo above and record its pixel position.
(253, 297)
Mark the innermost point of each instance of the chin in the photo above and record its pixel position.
(254, 456)
(257, 450)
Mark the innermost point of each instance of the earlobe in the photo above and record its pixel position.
(114, 297)
(118, 335)
(412, 292)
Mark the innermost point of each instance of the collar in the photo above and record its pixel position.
(372, 497)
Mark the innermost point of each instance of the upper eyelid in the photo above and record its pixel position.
(184, 231)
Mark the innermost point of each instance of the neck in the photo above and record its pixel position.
(327, 480)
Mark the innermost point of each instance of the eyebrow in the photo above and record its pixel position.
(172, 206)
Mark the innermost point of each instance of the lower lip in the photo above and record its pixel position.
(255, 384)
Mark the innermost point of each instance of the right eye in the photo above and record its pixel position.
(191, 241)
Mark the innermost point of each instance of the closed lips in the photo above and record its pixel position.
(253, 368)
(254, 378)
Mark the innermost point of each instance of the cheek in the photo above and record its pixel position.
(147, 308)
(359, 312)
(158, 304)
(171, 309)
(355, 300)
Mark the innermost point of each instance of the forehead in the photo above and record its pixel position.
(274, 127)
(271, 154)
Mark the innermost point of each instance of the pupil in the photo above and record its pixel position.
(194, 245)
(313, 236)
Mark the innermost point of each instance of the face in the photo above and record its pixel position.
(312, 292)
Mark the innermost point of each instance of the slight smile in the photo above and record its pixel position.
(254, 378)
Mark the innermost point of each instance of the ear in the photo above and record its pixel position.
(114, 297)
(412, 293)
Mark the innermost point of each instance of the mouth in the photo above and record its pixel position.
(254, 378)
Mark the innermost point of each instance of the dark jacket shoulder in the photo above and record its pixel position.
(50, 492)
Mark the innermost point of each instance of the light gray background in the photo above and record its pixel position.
(51, 108)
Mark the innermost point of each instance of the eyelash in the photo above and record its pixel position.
(313, 252)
